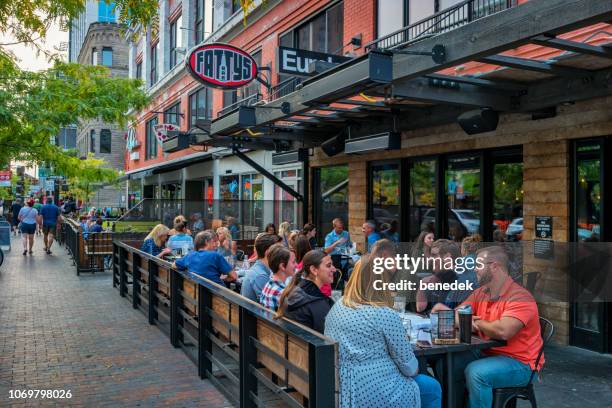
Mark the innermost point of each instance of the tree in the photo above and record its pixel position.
(34, 106)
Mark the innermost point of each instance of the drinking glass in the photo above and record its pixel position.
(399, 303)
(336, 295)
(433, 318)
(408, 327)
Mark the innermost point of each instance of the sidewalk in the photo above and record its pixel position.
(575, 378)
(63, 332)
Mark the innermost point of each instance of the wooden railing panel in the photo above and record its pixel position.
(274, 340)
(297, 354)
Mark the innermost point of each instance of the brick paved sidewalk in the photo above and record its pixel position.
(60, 331)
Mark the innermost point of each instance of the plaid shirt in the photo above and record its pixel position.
(270, 294)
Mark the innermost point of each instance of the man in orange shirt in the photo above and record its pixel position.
(504, 310)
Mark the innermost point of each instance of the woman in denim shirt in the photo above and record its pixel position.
(155, 242)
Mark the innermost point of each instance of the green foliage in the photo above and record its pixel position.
(34, 106)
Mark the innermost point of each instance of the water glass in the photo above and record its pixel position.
(408, 327)
(336, 295)
(433, 318)
(399, 303)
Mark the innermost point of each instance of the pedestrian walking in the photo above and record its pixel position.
(28, 217)
(15, 208)
(38, 207)
(50, 214)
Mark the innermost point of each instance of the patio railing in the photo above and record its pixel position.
(256, 360)
(445, 20)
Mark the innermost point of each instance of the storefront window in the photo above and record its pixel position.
(462, 187)
(332, 199)
(385, 199)
(508, 201)
(252, 204)
(286, 207)
(588, 193)
(422, 186)
(229, 187)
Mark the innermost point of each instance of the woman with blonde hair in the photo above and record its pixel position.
(377, 364)
(283, 231)
(180, 220)
(155, 242)
(225, 241)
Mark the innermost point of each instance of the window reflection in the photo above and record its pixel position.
(588, 194)
(508, 201)
(385, 204)
(333, 200)
(462, 186)
(422, 197)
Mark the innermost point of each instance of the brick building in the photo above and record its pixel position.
(104, 45)
(543, 159)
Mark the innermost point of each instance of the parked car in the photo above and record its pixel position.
(465, 219)
(515, 229)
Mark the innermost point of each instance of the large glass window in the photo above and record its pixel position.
(199, 21)
(422, 195)
(229, 187)
(385, 198)
(106, 13)
(508, 199)
(421, 9)
(105, 141)
(151, 140)
(286, 207)
(462, 186)
(252, 204)
(200, 105)
(139, 70)
(175, 40)
(223, 10)
(153, 60)
(107, 57)
(230, 98)
(172, 115)
(588, 193)
(324, 33)
(332, 199)
(254, 87)
(390, 16)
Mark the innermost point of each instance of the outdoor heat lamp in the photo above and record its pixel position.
(373, 143)
(292, 156)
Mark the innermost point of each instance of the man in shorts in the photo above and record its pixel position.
(50, 219)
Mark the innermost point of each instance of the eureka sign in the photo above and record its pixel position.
(221, 66)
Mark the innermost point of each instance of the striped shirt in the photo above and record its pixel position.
(271, 293)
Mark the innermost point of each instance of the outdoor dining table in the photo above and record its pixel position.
(446, 352)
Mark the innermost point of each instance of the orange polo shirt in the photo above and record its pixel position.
(514, 301)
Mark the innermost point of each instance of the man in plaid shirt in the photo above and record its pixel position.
(271, 293)
(282, 264)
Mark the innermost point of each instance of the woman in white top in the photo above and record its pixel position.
(28, 218)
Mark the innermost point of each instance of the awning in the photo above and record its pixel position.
(408, 85)
(167, 166)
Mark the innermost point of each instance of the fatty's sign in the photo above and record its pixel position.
(222, 66)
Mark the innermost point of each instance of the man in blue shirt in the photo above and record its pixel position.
(50, 214)
(338, 239)
(370, 234)
(259, 274)
(205, 261)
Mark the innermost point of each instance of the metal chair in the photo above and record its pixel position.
(506, 397)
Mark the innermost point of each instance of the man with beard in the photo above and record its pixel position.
(443, 255)
(503, 310)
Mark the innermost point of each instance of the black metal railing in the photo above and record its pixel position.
(254, 359)
(244, 218)
(285, 87)
(248, 101)
(443, 21)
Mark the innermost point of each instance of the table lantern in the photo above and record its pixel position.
(446, 328)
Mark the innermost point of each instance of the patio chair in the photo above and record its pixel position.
(506, 397)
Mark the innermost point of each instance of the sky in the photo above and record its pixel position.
(26, 54)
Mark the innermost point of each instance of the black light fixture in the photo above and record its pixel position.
(292, 156)
(372, 143)
(478, 121)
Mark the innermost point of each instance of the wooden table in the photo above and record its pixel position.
(446, 351)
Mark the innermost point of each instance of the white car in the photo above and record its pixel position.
(514, 229)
